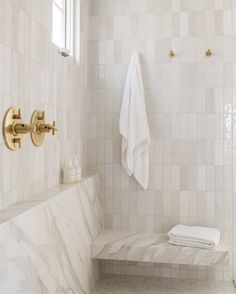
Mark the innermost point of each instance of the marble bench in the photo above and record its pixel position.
(152, 247)
(45, 242)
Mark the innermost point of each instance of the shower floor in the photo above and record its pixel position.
(110, 284)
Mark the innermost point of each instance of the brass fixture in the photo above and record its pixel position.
(14, 128)
(22, 129)
(38, 120)
(208, 53)
(171, 54)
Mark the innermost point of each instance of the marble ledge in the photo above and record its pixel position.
(45, 247)
(154, 248)
(19, 208)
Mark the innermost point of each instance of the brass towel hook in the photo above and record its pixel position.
(171, 54)
(208, 53)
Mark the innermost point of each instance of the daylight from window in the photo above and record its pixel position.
(58, 31)
(63, 24)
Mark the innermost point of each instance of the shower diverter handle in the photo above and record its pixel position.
(46, 128)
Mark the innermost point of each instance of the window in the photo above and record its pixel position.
(63, 25)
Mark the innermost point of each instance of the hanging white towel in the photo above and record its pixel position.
(193, 236)
(134, 125)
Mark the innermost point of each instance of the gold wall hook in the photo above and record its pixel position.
(38, 120)
(171, 54)
(13, 128)
(208, 53)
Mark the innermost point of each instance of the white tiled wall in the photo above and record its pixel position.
(34, 76)
(191, 103)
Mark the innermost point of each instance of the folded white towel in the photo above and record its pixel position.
(134, 125)
(193, 236)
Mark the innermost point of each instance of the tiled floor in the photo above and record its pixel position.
(129, 285)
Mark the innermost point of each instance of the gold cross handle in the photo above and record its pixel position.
(54, 128)
(47, 128)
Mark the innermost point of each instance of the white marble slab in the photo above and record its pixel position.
(14, 210)
(151, 247)
(146, 285)
(47, 247)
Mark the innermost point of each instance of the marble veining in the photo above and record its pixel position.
(152, 247)
(12, 211)
(47, 248)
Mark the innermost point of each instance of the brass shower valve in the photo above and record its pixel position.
(14, 128)
(46, 128)
(22, 129)
(38, 119)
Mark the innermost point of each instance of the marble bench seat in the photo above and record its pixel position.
(152, 247)
(45, 243)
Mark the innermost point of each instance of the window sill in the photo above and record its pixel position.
(64, 52)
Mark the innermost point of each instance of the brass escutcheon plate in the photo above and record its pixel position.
(37, 118)
(12, 117)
